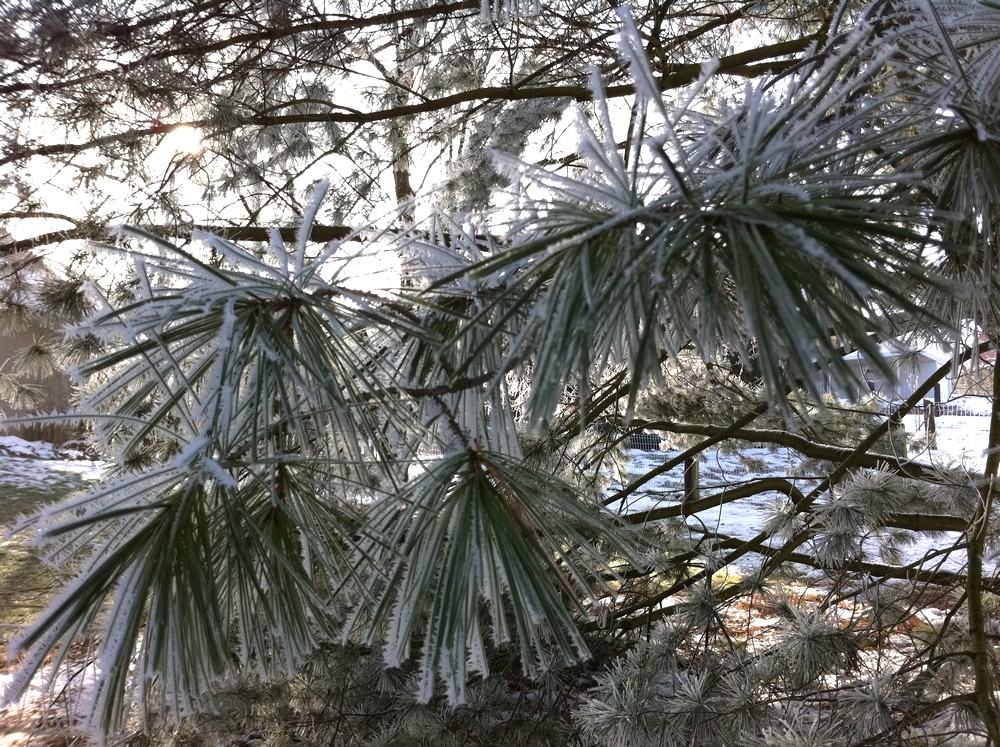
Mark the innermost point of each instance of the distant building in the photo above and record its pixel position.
(912, 367)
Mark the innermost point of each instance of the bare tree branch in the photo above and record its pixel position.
(766, 59)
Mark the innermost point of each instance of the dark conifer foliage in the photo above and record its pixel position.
(368, 347)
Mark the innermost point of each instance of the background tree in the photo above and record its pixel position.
(225, 115)
(305, 466)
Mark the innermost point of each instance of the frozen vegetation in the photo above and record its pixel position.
(695, 245)
(961, 443)
(39, 467)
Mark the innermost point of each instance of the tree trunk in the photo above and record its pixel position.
(977, 534)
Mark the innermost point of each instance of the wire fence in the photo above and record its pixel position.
(946, 409)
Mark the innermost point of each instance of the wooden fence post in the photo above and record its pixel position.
(690, 481)
(930, 424)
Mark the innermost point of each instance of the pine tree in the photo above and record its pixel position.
(307, 470)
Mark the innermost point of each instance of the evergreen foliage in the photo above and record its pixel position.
(397, 513)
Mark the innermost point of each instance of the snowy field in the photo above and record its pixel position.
(37, 469)
(961, 442)
(40, 466)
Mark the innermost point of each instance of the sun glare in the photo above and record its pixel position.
(184, 139)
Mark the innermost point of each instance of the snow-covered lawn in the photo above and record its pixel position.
(961, 442)
(34, 472)
(38, 465)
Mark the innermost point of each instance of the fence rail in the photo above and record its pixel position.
(945, 409)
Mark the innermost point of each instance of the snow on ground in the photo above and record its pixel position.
(961, 440)
(32, 466)
(18, 447)
(54, 708)
(38, 464)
